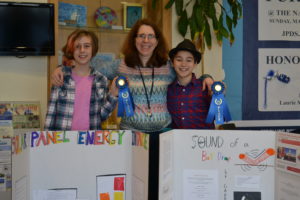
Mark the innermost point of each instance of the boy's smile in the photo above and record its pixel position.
(184, 64)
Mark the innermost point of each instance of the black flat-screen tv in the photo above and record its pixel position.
(26, 29)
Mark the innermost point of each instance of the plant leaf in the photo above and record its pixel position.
(224, 32)
(199, 18)
(169, 4)
(193, 25)
(219, 37)
(207, 34)
(232, 38)
(183, 23)
(153, 4)
(215, 23)
(228, 22)
(179, 7)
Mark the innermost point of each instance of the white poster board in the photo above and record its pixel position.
(278, 79)
(217, 165)
(278, 20)
(288, 166)
(62, 163)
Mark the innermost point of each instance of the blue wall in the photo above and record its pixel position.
(233, 66)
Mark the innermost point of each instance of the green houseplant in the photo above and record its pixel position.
(206, 14)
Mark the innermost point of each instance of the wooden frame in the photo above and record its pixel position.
(132, 13)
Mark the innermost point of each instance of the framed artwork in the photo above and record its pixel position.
(72, 14)
(132, 13)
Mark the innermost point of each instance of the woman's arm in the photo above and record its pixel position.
(107, 68)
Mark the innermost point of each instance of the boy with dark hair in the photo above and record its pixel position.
(187, 103)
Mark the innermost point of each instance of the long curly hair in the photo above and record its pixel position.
(160, 54)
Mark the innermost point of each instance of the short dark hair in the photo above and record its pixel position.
(68, 48)
(131, 54)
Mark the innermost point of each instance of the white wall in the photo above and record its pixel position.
(212, 58)
(24, 79)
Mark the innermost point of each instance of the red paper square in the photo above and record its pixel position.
(119, 183)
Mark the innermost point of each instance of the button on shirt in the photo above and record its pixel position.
(188, 105)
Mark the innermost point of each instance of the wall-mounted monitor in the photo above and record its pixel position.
(26, 29)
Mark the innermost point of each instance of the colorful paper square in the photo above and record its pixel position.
(104, 196)
(119, 183)
(118, 195)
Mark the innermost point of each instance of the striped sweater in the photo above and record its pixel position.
(163, 76)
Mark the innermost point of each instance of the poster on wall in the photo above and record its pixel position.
(269, 63)
(5, 164)
(279, 20)
(279, 79)
(6, 129)
(26, 115)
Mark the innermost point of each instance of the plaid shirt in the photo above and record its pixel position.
(61, 104)
(188, 105)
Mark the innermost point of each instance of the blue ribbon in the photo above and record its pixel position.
(218, 108)
(125, 104)
(280, 77)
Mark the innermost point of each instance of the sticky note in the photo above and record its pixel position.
(104, 196)
(118, 195)
(119, 183)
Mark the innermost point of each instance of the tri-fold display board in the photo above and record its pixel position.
(194, 165)
(87, 165)
(229, 165)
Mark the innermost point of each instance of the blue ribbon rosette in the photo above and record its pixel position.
(125, 101)
(218, 109)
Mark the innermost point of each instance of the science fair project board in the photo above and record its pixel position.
(81, 165)
(288, 166)
(217, 165)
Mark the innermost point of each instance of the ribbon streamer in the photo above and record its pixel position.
(125, 101)
(280, 77)
(218, 109)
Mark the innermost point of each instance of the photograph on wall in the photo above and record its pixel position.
(111, 187)
(5, 111)
(26, 115)
(132, 13)
(278, 79)
(71, 14)
(6, 127)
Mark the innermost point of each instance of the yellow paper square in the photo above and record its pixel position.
(118, 195)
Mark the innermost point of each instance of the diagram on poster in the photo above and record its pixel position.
(278, 79)
(111, 187)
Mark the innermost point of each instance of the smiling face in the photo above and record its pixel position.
(146, 41)
(184, 64)
(83, 50)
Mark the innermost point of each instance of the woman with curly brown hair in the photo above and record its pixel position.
(149, 72)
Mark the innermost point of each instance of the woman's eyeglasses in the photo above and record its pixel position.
(144, 36)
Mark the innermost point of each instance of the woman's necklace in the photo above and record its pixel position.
(149, 113)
